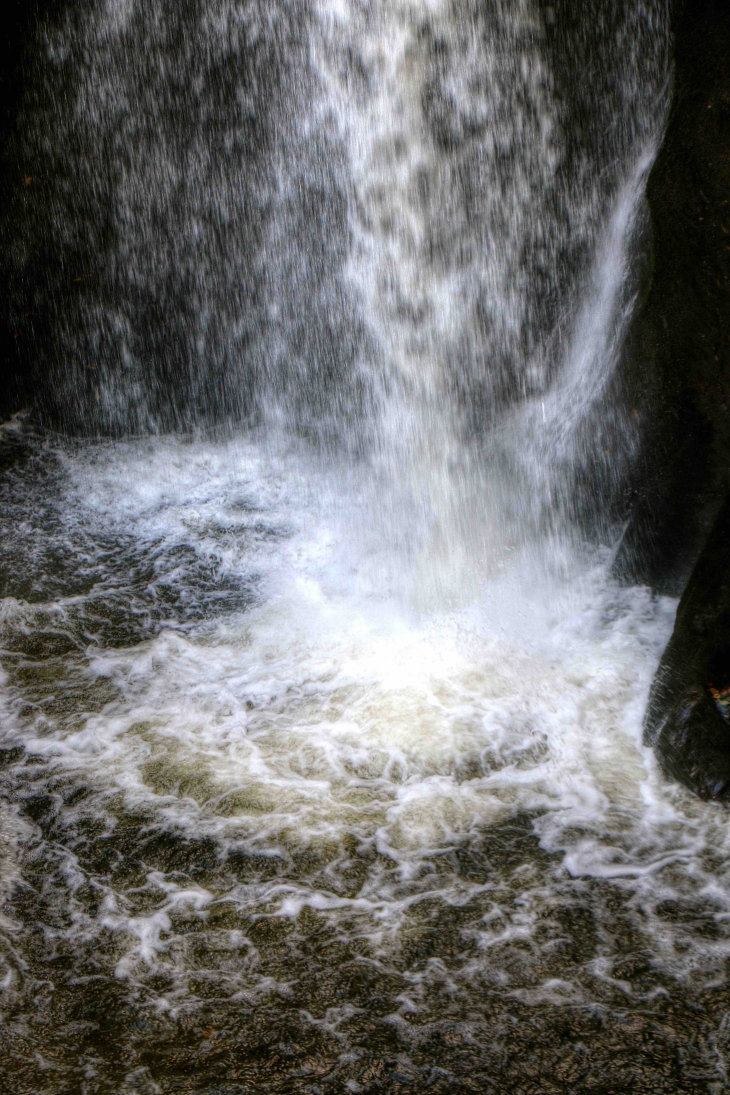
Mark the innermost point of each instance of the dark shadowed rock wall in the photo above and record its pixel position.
(680, 353)
(20, 22)
(679, 347)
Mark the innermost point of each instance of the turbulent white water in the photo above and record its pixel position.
(336, 716)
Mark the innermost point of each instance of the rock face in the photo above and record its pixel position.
(20, 21)
(680, 348)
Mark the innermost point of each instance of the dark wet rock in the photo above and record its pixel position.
(688, 720)
(679, 365)
(678, 351)
(20, 20)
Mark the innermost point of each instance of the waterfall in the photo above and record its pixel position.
(381, 224)
(494, 276)
(321, 708)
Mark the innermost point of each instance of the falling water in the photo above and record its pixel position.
(321, 717)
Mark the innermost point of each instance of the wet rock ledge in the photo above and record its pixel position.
(681, 348)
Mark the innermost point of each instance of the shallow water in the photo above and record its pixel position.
(285, 816)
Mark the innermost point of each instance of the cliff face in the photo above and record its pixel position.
(20, 22)
(679, 346)
(679, 357)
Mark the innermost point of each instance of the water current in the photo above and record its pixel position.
(321, 726)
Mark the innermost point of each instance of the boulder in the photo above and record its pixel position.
(688, 717)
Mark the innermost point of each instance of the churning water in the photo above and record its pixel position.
(321, 732)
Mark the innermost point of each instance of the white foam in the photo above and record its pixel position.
(327, 710)
(348, 721)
